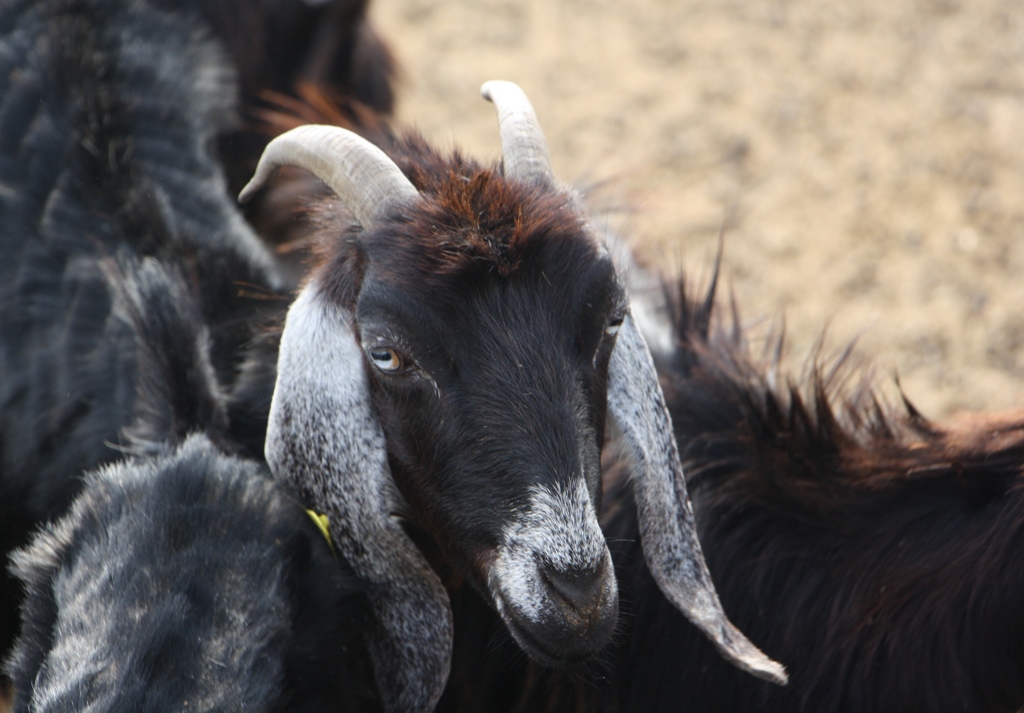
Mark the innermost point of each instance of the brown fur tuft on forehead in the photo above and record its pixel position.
(474, 216)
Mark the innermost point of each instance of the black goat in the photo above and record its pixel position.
(108, 112)
(184, 577)
(188, 581)
(473, 334)
(876, 553)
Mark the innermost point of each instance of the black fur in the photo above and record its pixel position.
(108, 111)
(278, 44)
(131, 292)
(876, 554)
(188, 581)
(185, 578)
(279, 47)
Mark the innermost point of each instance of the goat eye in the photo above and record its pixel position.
(386, 359)
(613, 327)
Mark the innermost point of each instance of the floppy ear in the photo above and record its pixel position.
(667, 531)
(324, 438)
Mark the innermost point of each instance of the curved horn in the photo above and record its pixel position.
(323, 437)
(365, 179)
(523, 148)
(667, 530)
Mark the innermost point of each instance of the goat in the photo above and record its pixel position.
(188, 580)
(468, 340)
(462, 344)
(224, 595)
(108, 112)
(183, 576)
(875, 552)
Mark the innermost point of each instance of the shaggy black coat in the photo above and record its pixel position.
(108, 113)
(874, 553)
(188, 581)
(184, 577)
(130, 294)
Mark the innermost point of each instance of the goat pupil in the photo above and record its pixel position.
(386, 359)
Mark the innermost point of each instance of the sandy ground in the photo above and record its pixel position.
(867, 162)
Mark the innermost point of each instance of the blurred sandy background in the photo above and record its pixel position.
(868, 161)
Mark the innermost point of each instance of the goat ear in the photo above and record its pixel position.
(325, 439)
(667, 531)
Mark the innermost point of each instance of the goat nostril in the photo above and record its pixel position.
(581, 588)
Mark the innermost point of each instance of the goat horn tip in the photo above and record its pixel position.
(249, 191)
(771, 671)
(748, 657)
(487, 88)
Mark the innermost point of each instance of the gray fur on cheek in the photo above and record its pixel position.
(637, 407)
(324, 438)
(559, 529)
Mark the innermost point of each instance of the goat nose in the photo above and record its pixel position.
(582, 589)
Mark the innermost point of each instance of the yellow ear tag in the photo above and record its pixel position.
(324, 524)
